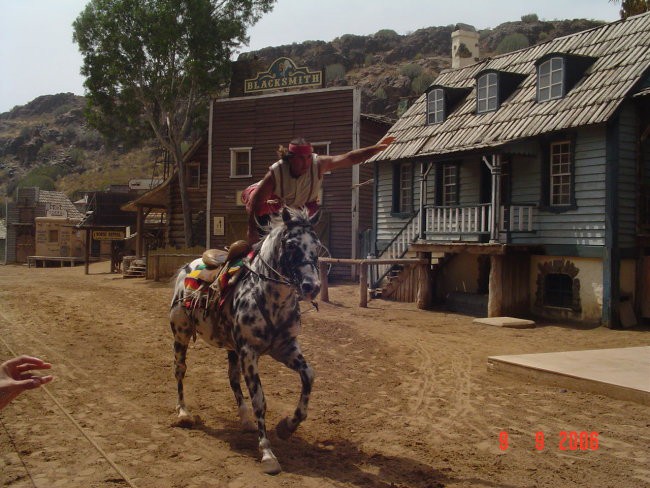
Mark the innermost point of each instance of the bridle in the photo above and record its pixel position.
(291, 281)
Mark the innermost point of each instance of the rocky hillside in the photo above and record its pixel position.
(47, 142)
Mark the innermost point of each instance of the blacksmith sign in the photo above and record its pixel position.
(108, 235)
(283, 73)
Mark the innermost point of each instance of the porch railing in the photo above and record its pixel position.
(458, 219)
(516, 218)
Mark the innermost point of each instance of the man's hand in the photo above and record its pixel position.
(16, 377)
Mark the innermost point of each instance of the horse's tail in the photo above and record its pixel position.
(179, 283)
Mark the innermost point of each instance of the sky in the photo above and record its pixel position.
(38, 56)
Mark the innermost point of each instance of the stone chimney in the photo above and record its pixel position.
(464, 46)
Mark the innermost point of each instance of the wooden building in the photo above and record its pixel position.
(242, 140)
(29, 204)
(525, 177)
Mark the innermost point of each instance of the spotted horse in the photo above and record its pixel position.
(260, 315)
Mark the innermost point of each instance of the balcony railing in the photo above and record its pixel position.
(475, 219)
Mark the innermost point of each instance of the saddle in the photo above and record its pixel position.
(210, 281)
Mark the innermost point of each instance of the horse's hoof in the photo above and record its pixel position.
(283, 430)
(248, 425)
(270, 465)
(185, 421)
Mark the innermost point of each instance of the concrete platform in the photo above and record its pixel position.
(619, 373)
(509, 322)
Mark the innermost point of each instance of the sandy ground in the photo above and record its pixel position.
(402, 398)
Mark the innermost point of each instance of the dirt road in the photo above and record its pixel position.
(402, 398)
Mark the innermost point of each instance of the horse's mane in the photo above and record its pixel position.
(277, 226)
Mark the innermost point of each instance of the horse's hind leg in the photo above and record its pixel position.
(234, 375)
(248, 359)
(182, 330)
(292, 357)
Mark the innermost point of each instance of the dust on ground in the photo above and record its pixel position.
(402, 398)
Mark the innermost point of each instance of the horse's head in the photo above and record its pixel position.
(295, 246)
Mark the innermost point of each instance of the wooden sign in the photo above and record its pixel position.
(283, 73)
(108, 235)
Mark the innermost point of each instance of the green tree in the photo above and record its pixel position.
(150, 66)
(632, 7)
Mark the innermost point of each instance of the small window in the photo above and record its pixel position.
(53, 235)
(449, 184)
(486, 97)
(240, 162)
(322, 148)
(561, 174)
(435, 106)
(193, 175)
(550, 79)
(403, 188)
(558, 290)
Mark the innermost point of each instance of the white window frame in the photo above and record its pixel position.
(188, 168)
(326, 145)
(486, 93)
(561, 176)
(233, 161)
(406, 187)
(435, 106)
(550, 79)
(449, 184)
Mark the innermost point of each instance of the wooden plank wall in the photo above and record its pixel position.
(263, 123)
(175, 233)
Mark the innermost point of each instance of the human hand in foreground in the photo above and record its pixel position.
(386, 141)
(16, 377)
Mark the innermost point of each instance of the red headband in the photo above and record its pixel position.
(301, 150)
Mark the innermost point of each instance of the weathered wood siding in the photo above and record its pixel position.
(627, 185)
(263, 123)
(197, 196)
(584, 226)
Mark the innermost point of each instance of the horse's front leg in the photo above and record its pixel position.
(234, 375)
(248, 360)
(291, 355)
(182, 329)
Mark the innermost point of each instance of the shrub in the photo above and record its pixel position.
(411, 70)
(421, 83)
(530, 18)
(46, 150)
(334, 72)
(512, 42)
(41, 181)
(388, 34)
(380, 93)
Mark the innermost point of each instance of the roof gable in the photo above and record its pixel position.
(620, 56)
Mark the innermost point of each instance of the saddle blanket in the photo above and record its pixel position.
(207, 288)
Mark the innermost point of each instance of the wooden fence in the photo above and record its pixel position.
(165, 262)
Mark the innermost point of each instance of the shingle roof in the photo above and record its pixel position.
(58, 198)
(622, 55)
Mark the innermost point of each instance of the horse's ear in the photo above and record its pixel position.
(286, 215)
(314, 219)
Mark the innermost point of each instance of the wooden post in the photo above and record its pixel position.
(155, 260)
(87, 252)
(495, 287)
(324, 291)
(139, 238)
(424, 295)
(363, 285)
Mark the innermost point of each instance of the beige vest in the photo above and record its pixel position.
(296, 192)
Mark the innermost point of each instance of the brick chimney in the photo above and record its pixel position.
(464, 46)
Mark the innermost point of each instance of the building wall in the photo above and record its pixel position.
(69, 241)
(590, 275)
(263, 123)
(627, 175)
(461, 274)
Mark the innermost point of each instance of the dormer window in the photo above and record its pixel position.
(558, 73)
(550, 79)
(486, 96)
(435, 106)
(442, 101)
